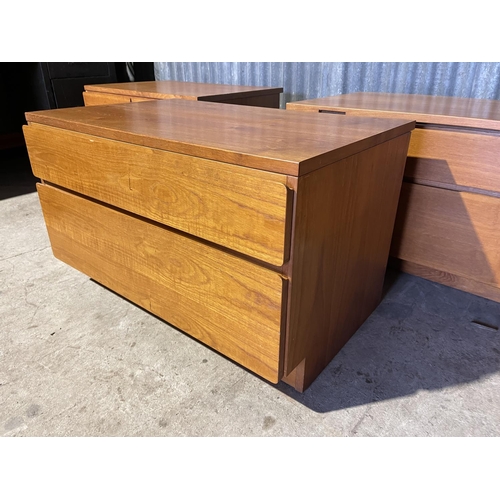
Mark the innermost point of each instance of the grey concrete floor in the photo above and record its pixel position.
(78, 360)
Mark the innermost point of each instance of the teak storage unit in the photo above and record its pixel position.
(263, 233)
(448, 223)
(113, 93)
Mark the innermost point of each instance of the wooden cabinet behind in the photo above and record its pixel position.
(266, 97)
(448, 222)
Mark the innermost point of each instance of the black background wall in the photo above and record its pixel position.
(44, 85)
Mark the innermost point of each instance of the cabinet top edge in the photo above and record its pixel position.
(439, 110)
(276, 140)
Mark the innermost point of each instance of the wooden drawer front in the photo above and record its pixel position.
(240, 208)
(229, 304)
(98, 98)
(455, 232)
(454, 158)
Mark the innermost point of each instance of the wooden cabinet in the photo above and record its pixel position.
(262, 233)
(267, 97)
(448, 222)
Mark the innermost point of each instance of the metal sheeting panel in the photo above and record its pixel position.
(308, 80)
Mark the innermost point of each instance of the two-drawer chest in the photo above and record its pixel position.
(113, 93)
(263, 233)
(448, 223)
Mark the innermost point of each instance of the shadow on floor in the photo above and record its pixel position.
(422, 337)
(16, 177)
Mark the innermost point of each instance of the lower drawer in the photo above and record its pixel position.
(232, 305)
(449, 231)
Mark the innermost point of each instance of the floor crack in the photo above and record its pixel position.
(24, 253)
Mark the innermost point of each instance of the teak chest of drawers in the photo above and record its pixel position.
(263, 233)
(113, 93)
(448, 223)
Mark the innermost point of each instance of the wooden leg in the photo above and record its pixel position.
(296, 377)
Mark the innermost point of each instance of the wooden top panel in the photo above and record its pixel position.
(455, 111)
(182, 90)
(289, 142)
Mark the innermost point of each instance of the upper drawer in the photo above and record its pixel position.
(456, 158)
(243, 209)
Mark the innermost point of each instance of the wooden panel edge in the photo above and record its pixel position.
(447, 279)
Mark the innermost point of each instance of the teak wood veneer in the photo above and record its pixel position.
(448, 223)
(114, 93)
(261, 232)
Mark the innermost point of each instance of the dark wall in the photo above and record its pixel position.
(36, 86)
(21, 90)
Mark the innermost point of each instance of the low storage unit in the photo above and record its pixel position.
(448, 223)
(266, 97)
(261, 232)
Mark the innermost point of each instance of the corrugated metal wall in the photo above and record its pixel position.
(309, 80)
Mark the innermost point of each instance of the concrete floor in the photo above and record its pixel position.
(78, 360)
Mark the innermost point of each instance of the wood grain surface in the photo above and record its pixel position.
(455, 111)
(276, 140)
(169, 89)
(452, 232)
(229, 304)
(243, 209)
(98, 98)
(344, 221)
